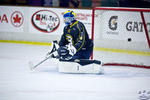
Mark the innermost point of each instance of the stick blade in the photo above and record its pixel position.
(30, 63)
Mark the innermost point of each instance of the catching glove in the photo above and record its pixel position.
(72, 49)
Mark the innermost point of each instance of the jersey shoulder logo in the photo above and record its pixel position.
(80, 38)
(69, 38)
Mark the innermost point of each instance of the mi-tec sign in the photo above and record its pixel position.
(45, 21)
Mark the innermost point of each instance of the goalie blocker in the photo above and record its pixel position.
(76, 65)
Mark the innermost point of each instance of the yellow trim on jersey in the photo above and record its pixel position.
(73, 24)
(82, 42)
(68, 30)
(80, 37)
(79, 30)
(70, 37)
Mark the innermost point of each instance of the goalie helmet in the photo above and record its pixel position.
(69, 17)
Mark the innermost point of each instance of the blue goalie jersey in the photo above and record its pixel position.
(77, 35)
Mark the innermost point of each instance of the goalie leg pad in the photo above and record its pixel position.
(73, 67)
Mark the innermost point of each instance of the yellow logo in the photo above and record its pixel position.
(80, 38)
(69, 38)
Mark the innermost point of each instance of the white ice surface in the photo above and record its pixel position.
(17, 82)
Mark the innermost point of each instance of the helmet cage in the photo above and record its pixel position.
(69, 17)
(68, 20)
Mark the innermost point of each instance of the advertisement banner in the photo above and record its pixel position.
(125, 25)
(50, 20)
(11, 19)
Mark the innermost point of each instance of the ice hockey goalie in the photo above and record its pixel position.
(73, 46)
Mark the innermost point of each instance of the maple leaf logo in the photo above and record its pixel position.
(17, 19)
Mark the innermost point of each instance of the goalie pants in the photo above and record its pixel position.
(85, 53)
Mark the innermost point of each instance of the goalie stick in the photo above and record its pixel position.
(34, 66)
(51, 55)
(80, 61)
